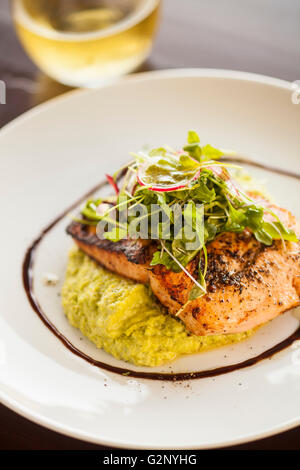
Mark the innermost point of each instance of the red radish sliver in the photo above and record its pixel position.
(112, 182)
(221, 173)
(196, 175)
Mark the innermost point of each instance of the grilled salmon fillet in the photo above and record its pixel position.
(129, 258)
(248, 283)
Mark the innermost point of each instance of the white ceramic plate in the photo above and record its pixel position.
(53, 155)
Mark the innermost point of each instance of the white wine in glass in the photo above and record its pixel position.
(86, 42)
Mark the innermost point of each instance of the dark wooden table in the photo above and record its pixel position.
(261, 36)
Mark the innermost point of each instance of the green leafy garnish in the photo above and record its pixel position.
(192, 197)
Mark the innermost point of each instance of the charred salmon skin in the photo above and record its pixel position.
(129, 258)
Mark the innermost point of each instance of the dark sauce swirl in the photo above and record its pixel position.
(29, 289)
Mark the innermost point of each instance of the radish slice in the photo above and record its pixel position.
(224, 175)
(174, 187)
(152, 184)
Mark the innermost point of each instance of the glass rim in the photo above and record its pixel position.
(21, 17)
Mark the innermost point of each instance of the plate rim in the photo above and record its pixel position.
(53, 425)
(148, 76)
(69, 431)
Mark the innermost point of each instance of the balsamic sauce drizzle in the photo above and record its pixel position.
(28, 284)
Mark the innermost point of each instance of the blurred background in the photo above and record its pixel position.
(260, 36)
